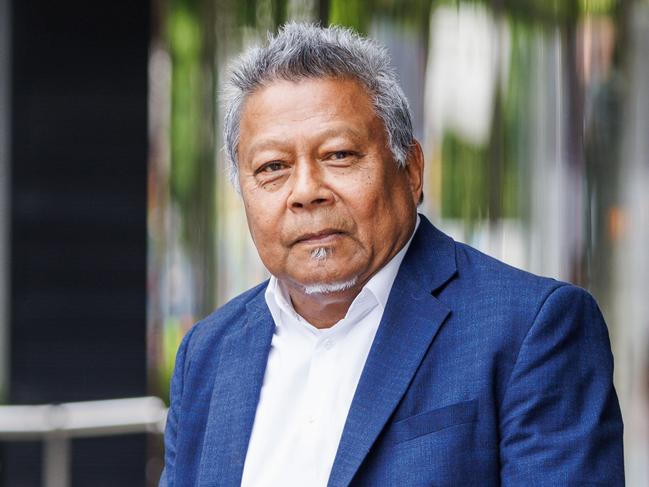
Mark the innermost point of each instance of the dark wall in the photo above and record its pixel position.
(78, 222)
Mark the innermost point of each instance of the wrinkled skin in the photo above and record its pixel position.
(315, 172)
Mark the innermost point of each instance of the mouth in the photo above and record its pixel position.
(319, 238)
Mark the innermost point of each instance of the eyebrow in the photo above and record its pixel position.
(277, 143)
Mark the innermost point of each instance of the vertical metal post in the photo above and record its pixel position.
(56, 461)
(5, 217)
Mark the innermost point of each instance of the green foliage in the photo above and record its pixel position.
(533, 11)
(185, 46)
(247, 12)
(350, 13)
(358, 13)
(542, 11)
(518, 109)
(464, 192)
(172, 335)
(598, 6)
(279, 11)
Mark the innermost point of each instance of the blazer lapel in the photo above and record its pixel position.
(239, 376)
(409, 324)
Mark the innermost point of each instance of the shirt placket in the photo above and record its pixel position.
(317, 407)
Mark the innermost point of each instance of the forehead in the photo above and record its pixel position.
(309, 107)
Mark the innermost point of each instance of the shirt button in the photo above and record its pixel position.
(328, 344)
(311, 420)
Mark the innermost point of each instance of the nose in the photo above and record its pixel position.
(308, 189)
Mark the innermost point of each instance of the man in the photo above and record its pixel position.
(380, 352)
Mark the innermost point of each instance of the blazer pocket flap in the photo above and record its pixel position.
(434, 420)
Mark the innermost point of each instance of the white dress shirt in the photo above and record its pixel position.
(309, 383)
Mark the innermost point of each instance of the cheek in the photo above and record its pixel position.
(362, 189)
(260, 229)
(257, 222)
(370, 198)
(265, 228)
(268, 244)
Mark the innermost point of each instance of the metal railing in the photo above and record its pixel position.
(57, 424)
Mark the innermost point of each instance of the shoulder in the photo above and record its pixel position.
(509, 302)
(492, 279)
(208, 331)
(492, 276)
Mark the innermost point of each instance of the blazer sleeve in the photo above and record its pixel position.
(560, 421)
(167, 479)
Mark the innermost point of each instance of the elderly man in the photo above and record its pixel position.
(380, 352)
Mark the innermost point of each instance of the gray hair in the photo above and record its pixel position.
(302, 51)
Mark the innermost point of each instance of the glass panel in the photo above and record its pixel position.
(534, 117)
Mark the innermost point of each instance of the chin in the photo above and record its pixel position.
(330, 287)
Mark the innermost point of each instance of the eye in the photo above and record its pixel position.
(340, 155)
(271, 167)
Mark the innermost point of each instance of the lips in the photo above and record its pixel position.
(321, 237)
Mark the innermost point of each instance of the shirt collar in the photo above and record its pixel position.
(379, 285)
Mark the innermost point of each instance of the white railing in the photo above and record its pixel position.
(57, 424)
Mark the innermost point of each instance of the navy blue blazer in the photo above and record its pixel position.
(480, 374)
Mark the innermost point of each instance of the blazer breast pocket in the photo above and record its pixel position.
(432, 421)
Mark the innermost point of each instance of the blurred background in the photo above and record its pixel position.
(118, 229)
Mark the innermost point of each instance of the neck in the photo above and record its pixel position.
(323, 310)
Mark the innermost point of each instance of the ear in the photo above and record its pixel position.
(415, 170)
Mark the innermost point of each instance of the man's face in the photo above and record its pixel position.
(325, 201)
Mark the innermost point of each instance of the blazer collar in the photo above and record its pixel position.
(240, 368)
(409, 324)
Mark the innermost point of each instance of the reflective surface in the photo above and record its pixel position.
(534, 120)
